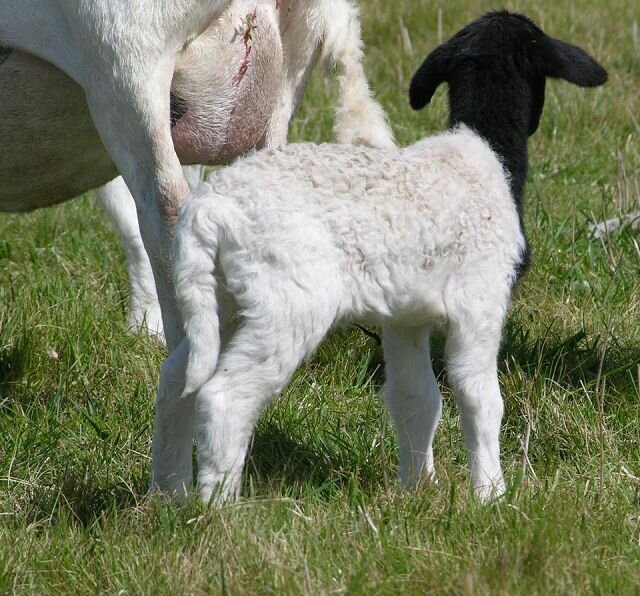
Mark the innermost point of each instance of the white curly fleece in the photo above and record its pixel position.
(384, 231)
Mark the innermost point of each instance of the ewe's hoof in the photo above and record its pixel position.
(149, 323)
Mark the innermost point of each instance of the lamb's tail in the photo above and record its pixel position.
(359, 118)
(194, 257)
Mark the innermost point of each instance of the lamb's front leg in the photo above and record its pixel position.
(412, 395)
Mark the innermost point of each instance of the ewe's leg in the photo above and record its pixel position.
(133, 121)
(413, 398)
(144, 309)
(256, 366)
(134, 125)
(173, 435)
(116, 200)
(472, 351)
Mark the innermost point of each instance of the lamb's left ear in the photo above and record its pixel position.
(431, 73)
(565, 61)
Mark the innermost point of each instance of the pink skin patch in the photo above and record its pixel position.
(216, 128)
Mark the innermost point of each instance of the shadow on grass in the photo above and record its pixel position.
(80, 499)
(569, 361)
(323, 465)
(12, 363)
(277, 459)
(277, 464)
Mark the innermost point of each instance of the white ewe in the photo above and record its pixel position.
(286, 244)
(123, 54)
(234, 87)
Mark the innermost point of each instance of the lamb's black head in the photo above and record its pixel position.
(501, 58)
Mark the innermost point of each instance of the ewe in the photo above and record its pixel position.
(234, 87)
(286, 244)
(123, 53)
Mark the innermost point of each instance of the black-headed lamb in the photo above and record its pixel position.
(284, 245)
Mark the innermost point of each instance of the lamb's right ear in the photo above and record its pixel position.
(565, 61)
(431, 73)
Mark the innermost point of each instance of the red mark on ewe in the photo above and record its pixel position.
(249, 24)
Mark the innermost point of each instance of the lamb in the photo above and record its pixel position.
(284, 245)
(234, 87)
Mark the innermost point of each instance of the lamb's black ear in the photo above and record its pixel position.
(565, 61)
(431, 73)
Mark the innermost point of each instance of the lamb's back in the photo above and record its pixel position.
(446, 193)
(390, 228)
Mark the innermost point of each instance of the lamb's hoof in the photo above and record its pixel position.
(489, 493)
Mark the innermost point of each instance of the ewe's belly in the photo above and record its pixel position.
(218, 136)
(227, 84)
(50, 150)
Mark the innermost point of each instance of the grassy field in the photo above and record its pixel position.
(321, 510)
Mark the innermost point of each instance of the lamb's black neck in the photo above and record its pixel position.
(512, 153)
(502, 116)
(497, 119)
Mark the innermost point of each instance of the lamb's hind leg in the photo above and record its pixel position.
(471, 353)
(259, 361)
(413, 398)
(172, 471)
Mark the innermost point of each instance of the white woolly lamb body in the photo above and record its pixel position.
(299, 239)
(384, 233)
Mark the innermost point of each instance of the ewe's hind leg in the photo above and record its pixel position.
(120, 207)
(413, 398)
(472, 352)
(259, 361)
(144, 309)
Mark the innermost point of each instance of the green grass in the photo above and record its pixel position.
(321, 510)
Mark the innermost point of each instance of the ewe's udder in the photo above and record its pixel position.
(221, 133)
(226, 88)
